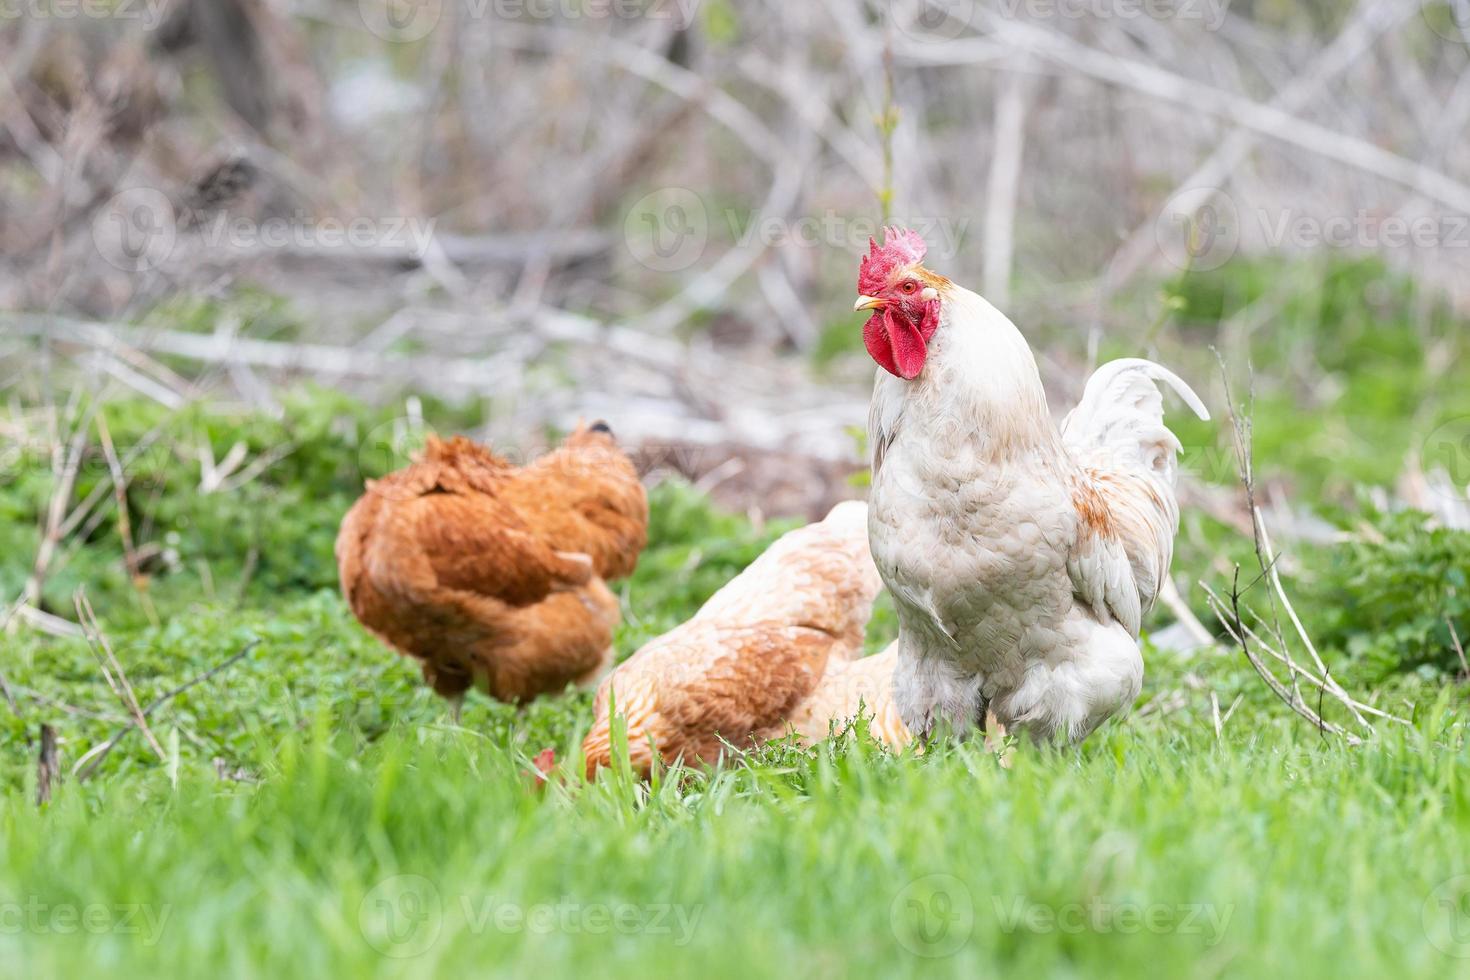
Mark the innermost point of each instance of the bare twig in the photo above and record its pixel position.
(1319, 683)
(1004, 185)
(1174, 602)
(68, 463)
(1273, 575)
(5, 684)
(1229, 616)
(48, 769)
(1455, 635)
(1231, 710)
(1266, 119)
(887, 124)
(1266, 557)
(87, 765)
(9, 695)
(124, 519)
(1371, 20)
(321, 359)
(46, 622)
(112, 670)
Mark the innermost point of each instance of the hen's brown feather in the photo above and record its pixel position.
(847, 690)
(753, 658)
(492, 575)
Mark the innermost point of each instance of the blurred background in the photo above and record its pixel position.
(498, 216)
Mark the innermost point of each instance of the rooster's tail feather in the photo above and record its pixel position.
(1121, 414)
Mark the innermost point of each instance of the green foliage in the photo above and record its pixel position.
(1347, 345)
(721, 22)
(1397, 600)
(268, 531)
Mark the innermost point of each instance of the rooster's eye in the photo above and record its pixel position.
(909, 286)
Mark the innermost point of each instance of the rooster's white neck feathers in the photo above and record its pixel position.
(980, 376)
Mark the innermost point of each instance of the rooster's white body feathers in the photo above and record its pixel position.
(1021, 555)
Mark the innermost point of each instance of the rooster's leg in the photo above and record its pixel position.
(456, 703)
(995, 739)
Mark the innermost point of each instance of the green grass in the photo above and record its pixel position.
(364, 835)
(1157, 849)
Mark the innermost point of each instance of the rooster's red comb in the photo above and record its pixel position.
(900, 247)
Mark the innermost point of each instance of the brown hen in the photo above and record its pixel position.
(773, 652)
(492, 575)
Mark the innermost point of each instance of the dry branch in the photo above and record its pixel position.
(1232, 614)
(1266, 119)
(112, 670)
(48, 768)
(86, 766)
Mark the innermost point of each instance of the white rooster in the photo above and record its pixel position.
(1021, 556)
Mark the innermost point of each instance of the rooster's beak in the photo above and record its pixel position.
(868, 303)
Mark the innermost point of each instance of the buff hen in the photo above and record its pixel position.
(773, 652)
(491, 575)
